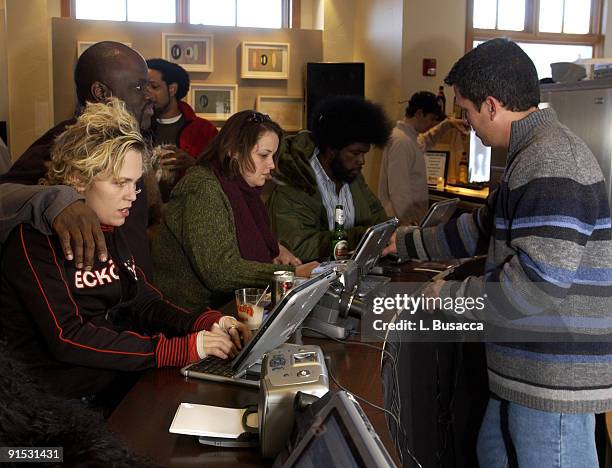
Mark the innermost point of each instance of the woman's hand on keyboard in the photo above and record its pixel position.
(215, 343)
(238, 332)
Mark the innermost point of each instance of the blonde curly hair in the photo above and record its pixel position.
(95, 146)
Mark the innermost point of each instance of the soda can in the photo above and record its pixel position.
(282, 282)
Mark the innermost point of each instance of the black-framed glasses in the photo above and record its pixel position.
(258, 117)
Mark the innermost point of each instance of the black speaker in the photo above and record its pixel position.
(3, 132)
(331, 79)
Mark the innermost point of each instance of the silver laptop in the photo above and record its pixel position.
(365, 256)
(371, 245)
(439, 213)
(281, 323)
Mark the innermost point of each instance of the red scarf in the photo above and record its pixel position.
(255, 239)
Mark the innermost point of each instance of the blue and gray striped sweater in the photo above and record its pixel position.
(547, 234)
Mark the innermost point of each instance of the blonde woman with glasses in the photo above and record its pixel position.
(80, 331)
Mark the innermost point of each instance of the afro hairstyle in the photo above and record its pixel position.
(339, 121)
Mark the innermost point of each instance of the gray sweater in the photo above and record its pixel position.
(549, 270)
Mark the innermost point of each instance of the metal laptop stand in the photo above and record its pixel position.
(338, 313)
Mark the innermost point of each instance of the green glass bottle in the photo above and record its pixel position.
(339, 240)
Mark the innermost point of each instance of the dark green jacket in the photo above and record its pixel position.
(296, 209)
(195, 253)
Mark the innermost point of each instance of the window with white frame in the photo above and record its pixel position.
(155, 11)
(246, 13)
(548, 30)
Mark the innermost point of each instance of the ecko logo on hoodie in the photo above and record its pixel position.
(91, 279)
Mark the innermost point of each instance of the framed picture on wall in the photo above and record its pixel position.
(213, 101)
(265, 60)
(287, 111)
(193, 52)
(82, 46)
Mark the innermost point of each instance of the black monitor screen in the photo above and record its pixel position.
(332, 79)
(331, 442)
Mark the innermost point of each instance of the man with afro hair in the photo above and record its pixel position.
(321, 169)
(176, 125)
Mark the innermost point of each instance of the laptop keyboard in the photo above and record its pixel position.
(214, 365)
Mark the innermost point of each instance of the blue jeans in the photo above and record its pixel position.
(512, 435)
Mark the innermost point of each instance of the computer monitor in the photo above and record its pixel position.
(479, 164)
(332, 79)
(340, 435)
(372, 243)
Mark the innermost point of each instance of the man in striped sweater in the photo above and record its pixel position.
(547, 234)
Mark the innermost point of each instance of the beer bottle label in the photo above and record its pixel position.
(341, 250)
(339, 217)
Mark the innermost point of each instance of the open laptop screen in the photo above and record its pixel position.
(336, 445)
(286, 316)
(340, 434)
(372, 244)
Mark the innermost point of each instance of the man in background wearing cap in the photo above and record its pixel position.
(402, 187)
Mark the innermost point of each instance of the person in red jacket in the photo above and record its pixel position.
(181, 133)
(79, 330)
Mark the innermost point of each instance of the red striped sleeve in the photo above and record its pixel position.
(176, 352)
(206, 320)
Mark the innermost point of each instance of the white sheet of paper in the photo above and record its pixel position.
(210, 421)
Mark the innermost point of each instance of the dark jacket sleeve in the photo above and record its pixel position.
(295, 218)
(39, 282)
(33, 204)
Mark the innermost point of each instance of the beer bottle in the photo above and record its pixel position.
(339, 241)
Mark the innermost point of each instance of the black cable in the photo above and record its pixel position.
(393, 416)
(359, 343)
(386, 411)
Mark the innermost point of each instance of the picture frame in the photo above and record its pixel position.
(193, 52)
(436, 164)
(82, 46)
(265, 60)
(287, 111)
(213, 101)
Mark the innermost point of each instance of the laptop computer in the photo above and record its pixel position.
(340, 435)
(439, 212)
(372, 244)
(281, 323)
(365, 256)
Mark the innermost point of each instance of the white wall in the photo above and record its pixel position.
(311, 14)
(28, 52)
(607, 28)
(378, 43)
(392, 37)
(432, 29)
(339, 30)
